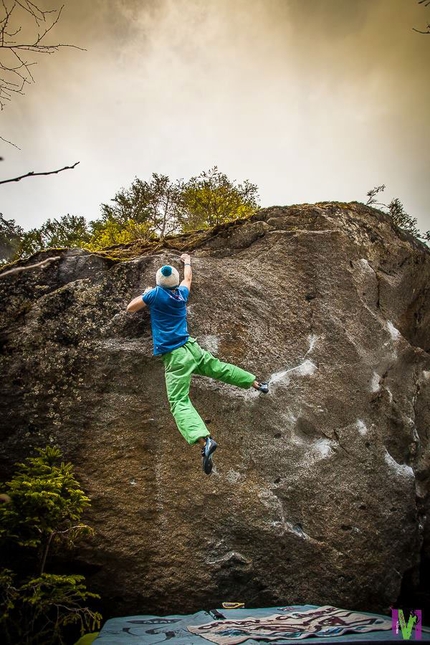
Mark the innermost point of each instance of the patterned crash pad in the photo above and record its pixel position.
(316, 622)
(151, 630)
(254, 627)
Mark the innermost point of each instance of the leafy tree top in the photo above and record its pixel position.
(46, 502)
(212, 198)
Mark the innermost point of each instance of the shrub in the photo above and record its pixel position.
(41, 513)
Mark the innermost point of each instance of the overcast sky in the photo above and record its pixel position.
(309, 99)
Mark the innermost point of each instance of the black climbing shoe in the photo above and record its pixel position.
(263, 386)
(207, 452)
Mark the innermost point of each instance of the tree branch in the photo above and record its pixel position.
(10, 143)
(38, 174)
(425, 3)
(14, 64)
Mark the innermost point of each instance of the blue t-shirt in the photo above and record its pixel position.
(168, 317)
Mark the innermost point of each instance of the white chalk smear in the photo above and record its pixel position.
(291, 417)
(313, 339)
(307, 368)
(374, 383)
(401, 469)
(365, 265)
(361, 427)
(426, 375)
(322, 448)
(394, 333)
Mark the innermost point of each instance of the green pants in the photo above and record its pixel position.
(180, 365)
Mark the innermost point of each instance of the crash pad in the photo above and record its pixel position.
(284, 624)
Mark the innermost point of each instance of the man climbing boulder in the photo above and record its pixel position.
(182, 355)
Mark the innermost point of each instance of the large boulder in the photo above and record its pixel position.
(321, 488)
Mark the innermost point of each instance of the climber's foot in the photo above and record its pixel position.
(207, 452)
(262, 386)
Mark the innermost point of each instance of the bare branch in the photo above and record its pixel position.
(10, 143)
(54, 22)
(16, 76)
(425, 3)
(38, 174)
(36, 48)
(37, 13)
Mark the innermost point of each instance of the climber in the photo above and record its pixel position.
(182, 355)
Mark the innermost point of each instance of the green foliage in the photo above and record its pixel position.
(150, 203)
(402, 219)
(371, 194)
(147, 210)
(42, 516)
(10, 237)
(397, 212)
(46, 501)
(159, 207)
(211, 199)
(40, 610)
(69, 231)
(111, 232)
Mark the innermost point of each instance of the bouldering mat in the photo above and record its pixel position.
(304, 623)
(150, 630)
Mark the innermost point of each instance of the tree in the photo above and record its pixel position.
(111, 232)
(42, 515)
(147, 210)
(152, 203)
(159, 207)
(372, 195)
(10, 237)
(69, 231)
(397, 212)
(211, 199)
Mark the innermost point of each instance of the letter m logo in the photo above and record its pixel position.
(414, 622)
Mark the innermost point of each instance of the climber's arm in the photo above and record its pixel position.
(135, 304)
(188, 273)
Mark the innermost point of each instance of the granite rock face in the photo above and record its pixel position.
(321, 489)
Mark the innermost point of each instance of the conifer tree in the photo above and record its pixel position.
(41, 514)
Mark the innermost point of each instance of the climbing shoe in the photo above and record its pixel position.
(207, 452)
(263, 386)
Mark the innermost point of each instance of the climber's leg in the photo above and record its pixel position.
(179, 366)
(208, 365)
